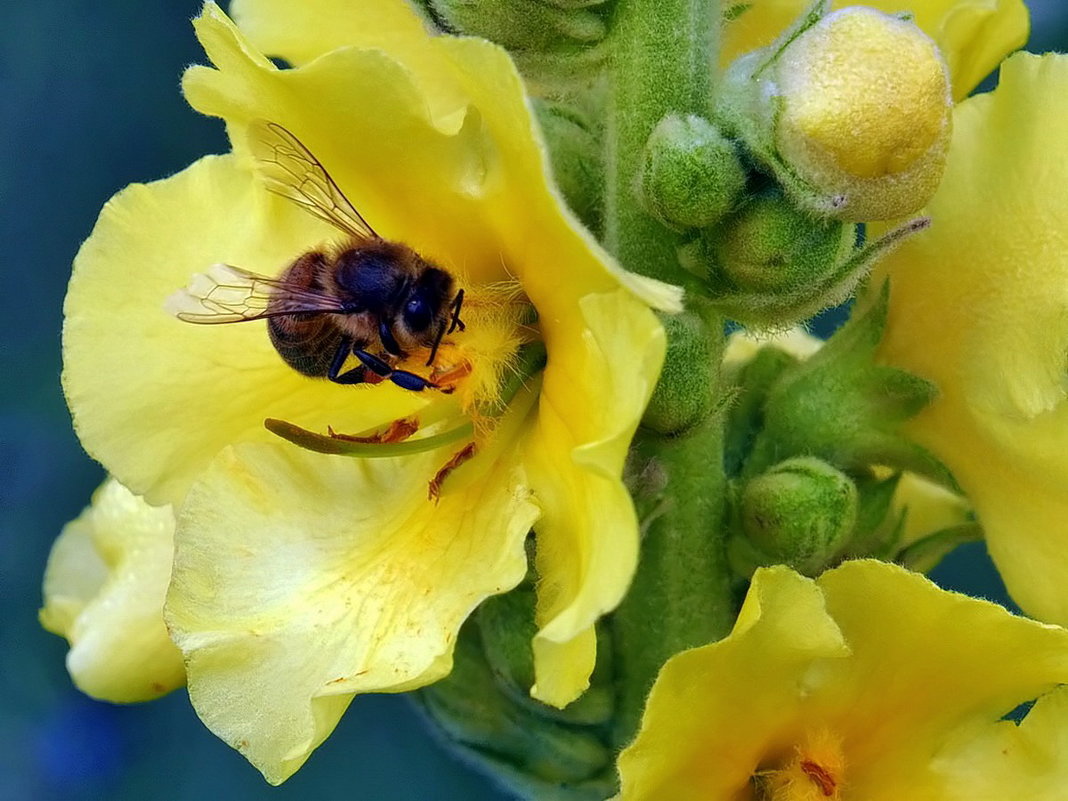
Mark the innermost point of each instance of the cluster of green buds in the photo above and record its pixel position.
(761, 189)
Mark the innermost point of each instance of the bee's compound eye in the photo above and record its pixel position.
(417, 314)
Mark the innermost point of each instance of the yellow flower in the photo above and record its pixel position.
(973, 35)
(979, 305)
(103, 591)
(868, 683)
(301, 579)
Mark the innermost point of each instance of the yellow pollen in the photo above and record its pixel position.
(471, 363)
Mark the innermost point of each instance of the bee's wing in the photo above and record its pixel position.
(227, 294)
(290, 170)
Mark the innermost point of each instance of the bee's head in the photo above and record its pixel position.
(424, 306)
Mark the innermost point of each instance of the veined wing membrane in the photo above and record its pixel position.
(290, 170)
(228, 294)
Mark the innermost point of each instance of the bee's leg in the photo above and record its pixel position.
(389, 342)
(356, 375)
(402, 378)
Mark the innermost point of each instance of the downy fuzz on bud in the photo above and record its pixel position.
(801, 513)
(849, 110)
(692, 176)
(523, 24)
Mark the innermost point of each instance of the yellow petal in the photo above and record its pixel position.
(301, 32)
(103, 590)
(302, 579)
(928, 508)
(974, 35)
(482, 173)
(154, 399)
(699, 738)
(871, 664)
(742, 346)
(1007, 760)
(592, 399)
(979, 305)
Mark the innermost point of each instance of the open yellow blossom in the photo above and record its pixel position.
(973, 35)
(979, 306)
(103, 590)
(300, 578)
(869, 683)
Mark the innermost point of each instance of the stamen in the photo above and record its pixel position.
(814, 773)
(458, 458)
(820, 776)
(398, 431)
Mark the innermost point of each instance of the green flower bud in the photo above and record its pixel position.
(772, 246)
(532, 755)
(522, 25)
(801, 513)
(507, 628)
(576, 157)
(849, 110)
(686, 392)
(772, 264)
(692, 176)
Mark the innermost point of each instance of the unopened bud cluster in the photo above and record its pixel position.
(845, 119)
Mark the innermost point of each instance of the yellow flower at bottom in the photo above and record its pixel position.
(868, 683)
(103, 591)
(301, 579)
(979, 306)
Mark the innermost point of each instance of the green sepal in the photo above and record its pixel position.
(507, 627)
(925, 554)
(751, 383)
(529, 754)
(877, 531)
(842, 407)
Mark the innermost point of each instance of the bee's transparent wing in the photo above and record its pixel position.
(227, 294)
(290, 170)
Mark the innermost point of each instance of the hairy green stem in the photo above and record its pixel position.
(663, 60)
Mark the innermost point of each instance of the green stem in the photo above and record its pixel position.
(664, 61)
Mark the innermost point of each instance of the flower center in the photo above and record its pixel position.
(815, 772)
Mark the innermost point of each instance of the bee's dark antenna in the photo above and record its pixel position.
(455, 323)
(457, 304)
(437, 342)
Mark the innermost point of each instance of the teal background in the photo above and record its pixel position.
(90, 102)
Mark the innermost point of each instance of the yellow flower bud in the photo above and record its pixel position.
(866, 111)
(850, 111)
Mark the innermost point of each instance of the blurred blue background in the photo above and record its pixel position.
(90, 103)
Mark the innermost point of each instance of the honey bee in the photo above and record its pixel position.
(369, 297)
